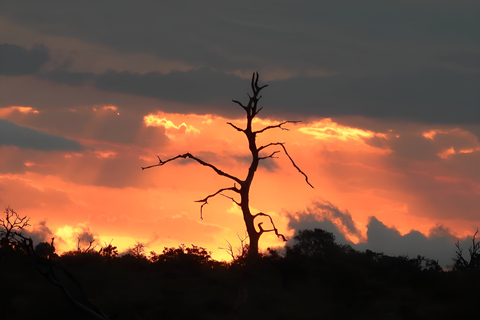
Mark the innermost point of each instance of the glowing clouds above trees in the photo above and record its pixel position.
(159, 120)
(327, 129)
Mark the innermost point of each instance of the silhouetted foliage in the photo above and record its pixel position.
(240, 254)
(12, 227)
(314, 278)
(473, 262)
(138, 250)
(315, 243)
(45, 250)
(183, 257)
(109, 251)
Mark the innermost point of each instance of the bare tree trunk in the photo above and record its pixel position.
(243, 190)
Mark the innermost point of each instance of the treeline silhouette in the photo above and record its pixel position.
(315, 278)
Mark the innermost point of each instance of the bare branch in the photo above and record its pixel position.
(261, 214)
(459, 253)
(205, 200)
(231, 198)
(282, 144)
(255, 88)
(12, 224)
(277, 125)
(241, 105)
(189, 155)
(235, 127)
(269, 156)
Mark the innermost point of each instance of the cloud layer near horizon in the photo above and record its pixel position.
(438, 243)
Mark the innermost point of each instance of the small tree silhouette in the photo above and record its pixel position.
(10, 226)
(242, 187)
(45, 250)
(109, 251)
(460, 263)
(138, 250)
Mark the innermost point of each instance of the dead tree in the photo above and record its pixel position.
(241, 187)
(12, 224)
(474, 252)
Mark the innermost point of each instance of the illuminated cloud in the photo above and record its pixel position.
(152, 120)
(71, 238)
(105, 154)
(328, 129)
(5, 112)
(29, 164)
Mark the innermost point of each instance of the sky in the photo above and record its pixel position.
(386, 92)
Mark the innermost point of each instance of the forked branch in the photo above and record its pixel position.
(251, 107)
(282, 144)
(261, 214)
(277, 126)
(205, 200)
(204, 163)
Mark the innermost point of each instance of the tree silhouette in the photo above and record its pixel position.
(242, 187)
(138, 250)
(12, 226)
(460, 263)
(109, 251)
(314, 243)
(45, 250)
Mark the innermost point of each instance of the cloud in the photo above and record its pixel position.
(325, 214)
(345, 36)
(438, 244)
(320, 59)
(24, 196)
(66, 77)
(430, 97)
(196, 86)
(39, 233)
(13, 135)
(18, 61)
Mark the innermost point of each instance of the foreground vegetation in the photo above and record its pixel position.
(314, 279)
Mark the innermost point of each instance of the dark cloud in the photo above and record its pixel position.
(13, 135)
(66, 77)
(430, 97)
(18, 61)
(85, 236)
(344, 36)
(439, 97)
(306, 221)
(195, 86)
(327, 215)
(39, 233)
(438, 245)
(414, 60)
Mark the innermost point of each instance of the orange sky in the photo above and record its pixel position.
(102, 189)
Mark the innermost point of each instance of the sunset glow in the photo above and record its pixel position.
(387, 131)
(340, 160)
